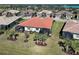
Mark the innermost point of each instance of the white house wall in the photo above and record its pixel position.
(68, 17)
(75, 36)
(32, 29)
(38, 30)
(77, 17)
(26, 29)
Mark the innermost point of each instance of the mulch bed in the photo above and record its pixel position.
(12, 39)
(41, 44)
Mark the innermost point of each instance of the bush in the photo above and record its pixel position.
(16, 34)
(1, 32)
(61, 43)
(36, 37)
(75, 44)
(40, 37)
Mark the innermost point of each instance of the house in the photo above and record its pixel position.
(10, 13)
(28, 13)
(8, 18)
(71, 30)
(44, 13)
(64, 14)
(1, 12)
(8, 22)
(36, 24)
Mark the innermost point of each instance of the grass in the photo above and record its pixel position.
(74, 43)
(20, 47)
(21, 20)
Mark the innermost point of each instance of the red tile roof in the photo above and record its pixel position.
(38, 22)
(72, 27)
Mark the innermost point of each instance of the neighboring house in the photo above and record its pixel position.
(1, 12)
(28, 13)
(44, 13)
(36, 24)
(10, 13)
(64, 14)
(8, 22)
(71, 30)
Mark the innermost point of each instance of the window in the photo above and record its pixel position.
(77, 36)
(37, 28)
(28, 27)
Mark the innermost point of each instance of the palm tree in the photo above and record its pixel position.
(67, 44)
(9, 14)
(44, 37)
(26, 35)
(63, 16)
(75, 14)
(41, 38)
(43, 14)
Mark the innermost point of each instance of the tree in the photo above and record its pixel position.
(75, 14)
(9, 14)
(43, 14)
(26, 36)
(40, 39)
(63, 16)
(68, 45)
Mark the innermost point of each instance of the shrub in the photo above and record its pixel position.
(40, 37)
(1, 32)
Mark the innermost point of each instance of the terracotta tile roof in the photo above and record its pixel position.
(72, 26)
(38, 22)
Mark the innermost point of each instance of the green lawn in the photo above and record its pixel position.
(20, 20)
(29, 48)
